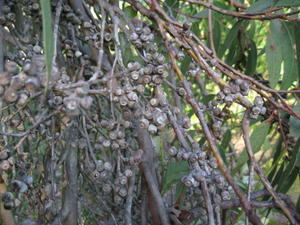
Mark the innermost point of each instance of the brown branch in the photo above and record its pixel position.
(210, 30)
(128, 204)
(248, 15)
(147, 166)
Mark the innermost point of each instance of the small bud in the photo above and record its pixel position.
(188, 181)
(134, 75)
(181, 92)
(132, 96)
(133, 36)
(5, 78)
(258, 101)
(180, 55)
(78, 53)
(37, 49)
(107, 166)
(71, 103)
(154, 102)
(4, 165)
(10, 95)
(86, 102)
(123, 100)
(122, 192)
(119, 91)
(11, 67)
(152, 129)
(128, 173)
(32, 84)
(256, 110)
(106, 143)
(186, 123)
(22, 100)
(144, 123)
(172, 151)
(107, 188)
(19, 186)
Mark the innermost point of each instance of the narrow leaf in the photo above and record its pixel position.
(273, 53)
(251, 61)
(289, 55)
(47, 37)
(232, 35)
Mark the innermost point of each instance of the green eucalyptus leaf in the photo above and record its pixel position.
(273, 53)
(217, 35)
(289, 55)
(251, 61)
(260, 5)
(257, 139)
(287, 3)
(297, 42)
(174, 172)
(47, 37)
(130, 11)
(231, 37)
(294, 124)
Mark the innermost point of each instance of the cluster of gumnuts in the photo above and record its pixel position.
(103, 174)
(19, 185)
(204, 168)
(17, 87)
(142, 34)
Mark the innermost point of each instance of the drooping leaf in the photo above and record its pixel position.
(216, 34)
(287, 181)
(47, 37)
(225, 143)
(288, 55)
(278, 175)
(297, 42)
(195, 28)
(234, 53)
(231, 37)
(174, 172)
(273, 53)
(251, 61)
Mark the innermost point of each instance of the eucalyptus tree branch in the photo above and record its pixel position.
(249, 15)
(266, 183)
